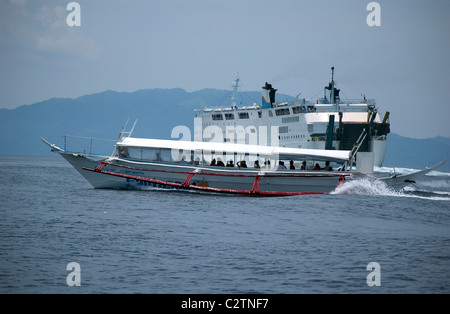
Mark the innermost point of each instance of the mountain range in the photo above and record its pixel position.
(158, 111)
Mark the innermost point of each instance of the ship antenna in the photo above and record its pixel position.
(332, 86)
(235, 86)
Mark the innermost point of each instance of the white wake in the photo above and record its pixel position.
(377, 187)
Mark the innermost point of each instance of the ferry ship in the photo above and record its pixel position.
(328, 122)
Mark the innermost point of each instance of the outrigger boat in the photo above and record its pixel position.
(184, 165)
(140, 163)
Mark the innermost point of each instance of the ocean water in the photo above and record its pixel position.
(181, 242)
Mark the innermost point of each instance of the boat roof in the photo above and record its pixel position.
(218, 148)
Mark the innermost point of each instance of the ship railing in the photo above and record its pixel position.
(86, 145)
(369, 102)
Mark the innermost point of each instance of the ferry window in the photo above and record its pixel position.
(217, 116)
(290, 119)
(298, 109)
(270, 113)
(282, 112)
(135, 153)
(123, 152)
(259, 114)
(166, 155)
(151, 154)
(229, 116)
(283, 129)
(243, 115)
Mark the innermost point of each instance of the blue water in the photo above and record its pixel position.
(175, 242)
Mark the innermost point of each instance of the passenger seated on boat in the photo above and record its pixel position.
(291, 165)
(303, 166)
(327, 166)
(196, 162)
(241, 164)
(281, 166)
(182, 160)
(220, 163)
(213, 162)
(230, 163)
(266, 164)
(256, 164)
(317, 167)
(123, 152)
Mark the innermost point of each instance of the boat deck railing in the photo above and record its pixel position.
(308, 104)
(89, 145)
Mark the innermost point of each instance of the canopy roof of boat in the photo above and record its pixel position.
(228, 148)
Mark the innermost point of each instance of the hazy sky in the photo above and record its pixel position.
(126, 45)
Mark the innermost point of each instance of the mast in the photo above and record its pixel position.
(235, 86)
(334, 92)
(333, 101)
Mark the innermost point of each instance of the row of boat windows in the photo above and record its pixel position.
(291, 137)
(278, 112)
(210, 159)
(285, 129)
(180, 156)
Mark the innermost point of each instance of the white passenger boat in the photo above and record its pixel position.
(140, 163)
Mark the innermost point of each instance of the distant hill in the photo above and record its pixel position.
(103, 115)
(417, 153)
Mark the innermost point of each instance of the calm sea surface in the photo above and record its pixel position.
(180, 242)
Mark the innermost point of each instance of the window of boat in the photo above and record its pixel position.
(270, 113)
(217, 116)
(298, 109)
(229, 116)
(182, 156)
(166, 155)
(123, 152)
(282, 112)
(290, 119)
(243, 115)
(151, 154)
(283, 129)
(259, 114)
(135, 152)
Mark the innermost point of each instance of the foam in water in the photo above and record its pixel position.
(365, 187)
(376, 187)
(399, 170)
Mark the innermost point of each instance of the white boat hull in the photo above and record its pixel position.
(118, 174)
(114, 173)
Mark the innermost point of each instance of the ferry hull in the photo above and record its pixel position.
(378, 147)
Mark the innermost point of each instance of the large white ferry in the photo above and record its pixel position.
(329, 122)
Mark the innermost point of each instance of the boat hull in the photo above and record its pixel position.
(119, 174)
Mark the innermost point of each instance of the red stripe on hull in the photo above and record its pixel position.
(253, 192)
